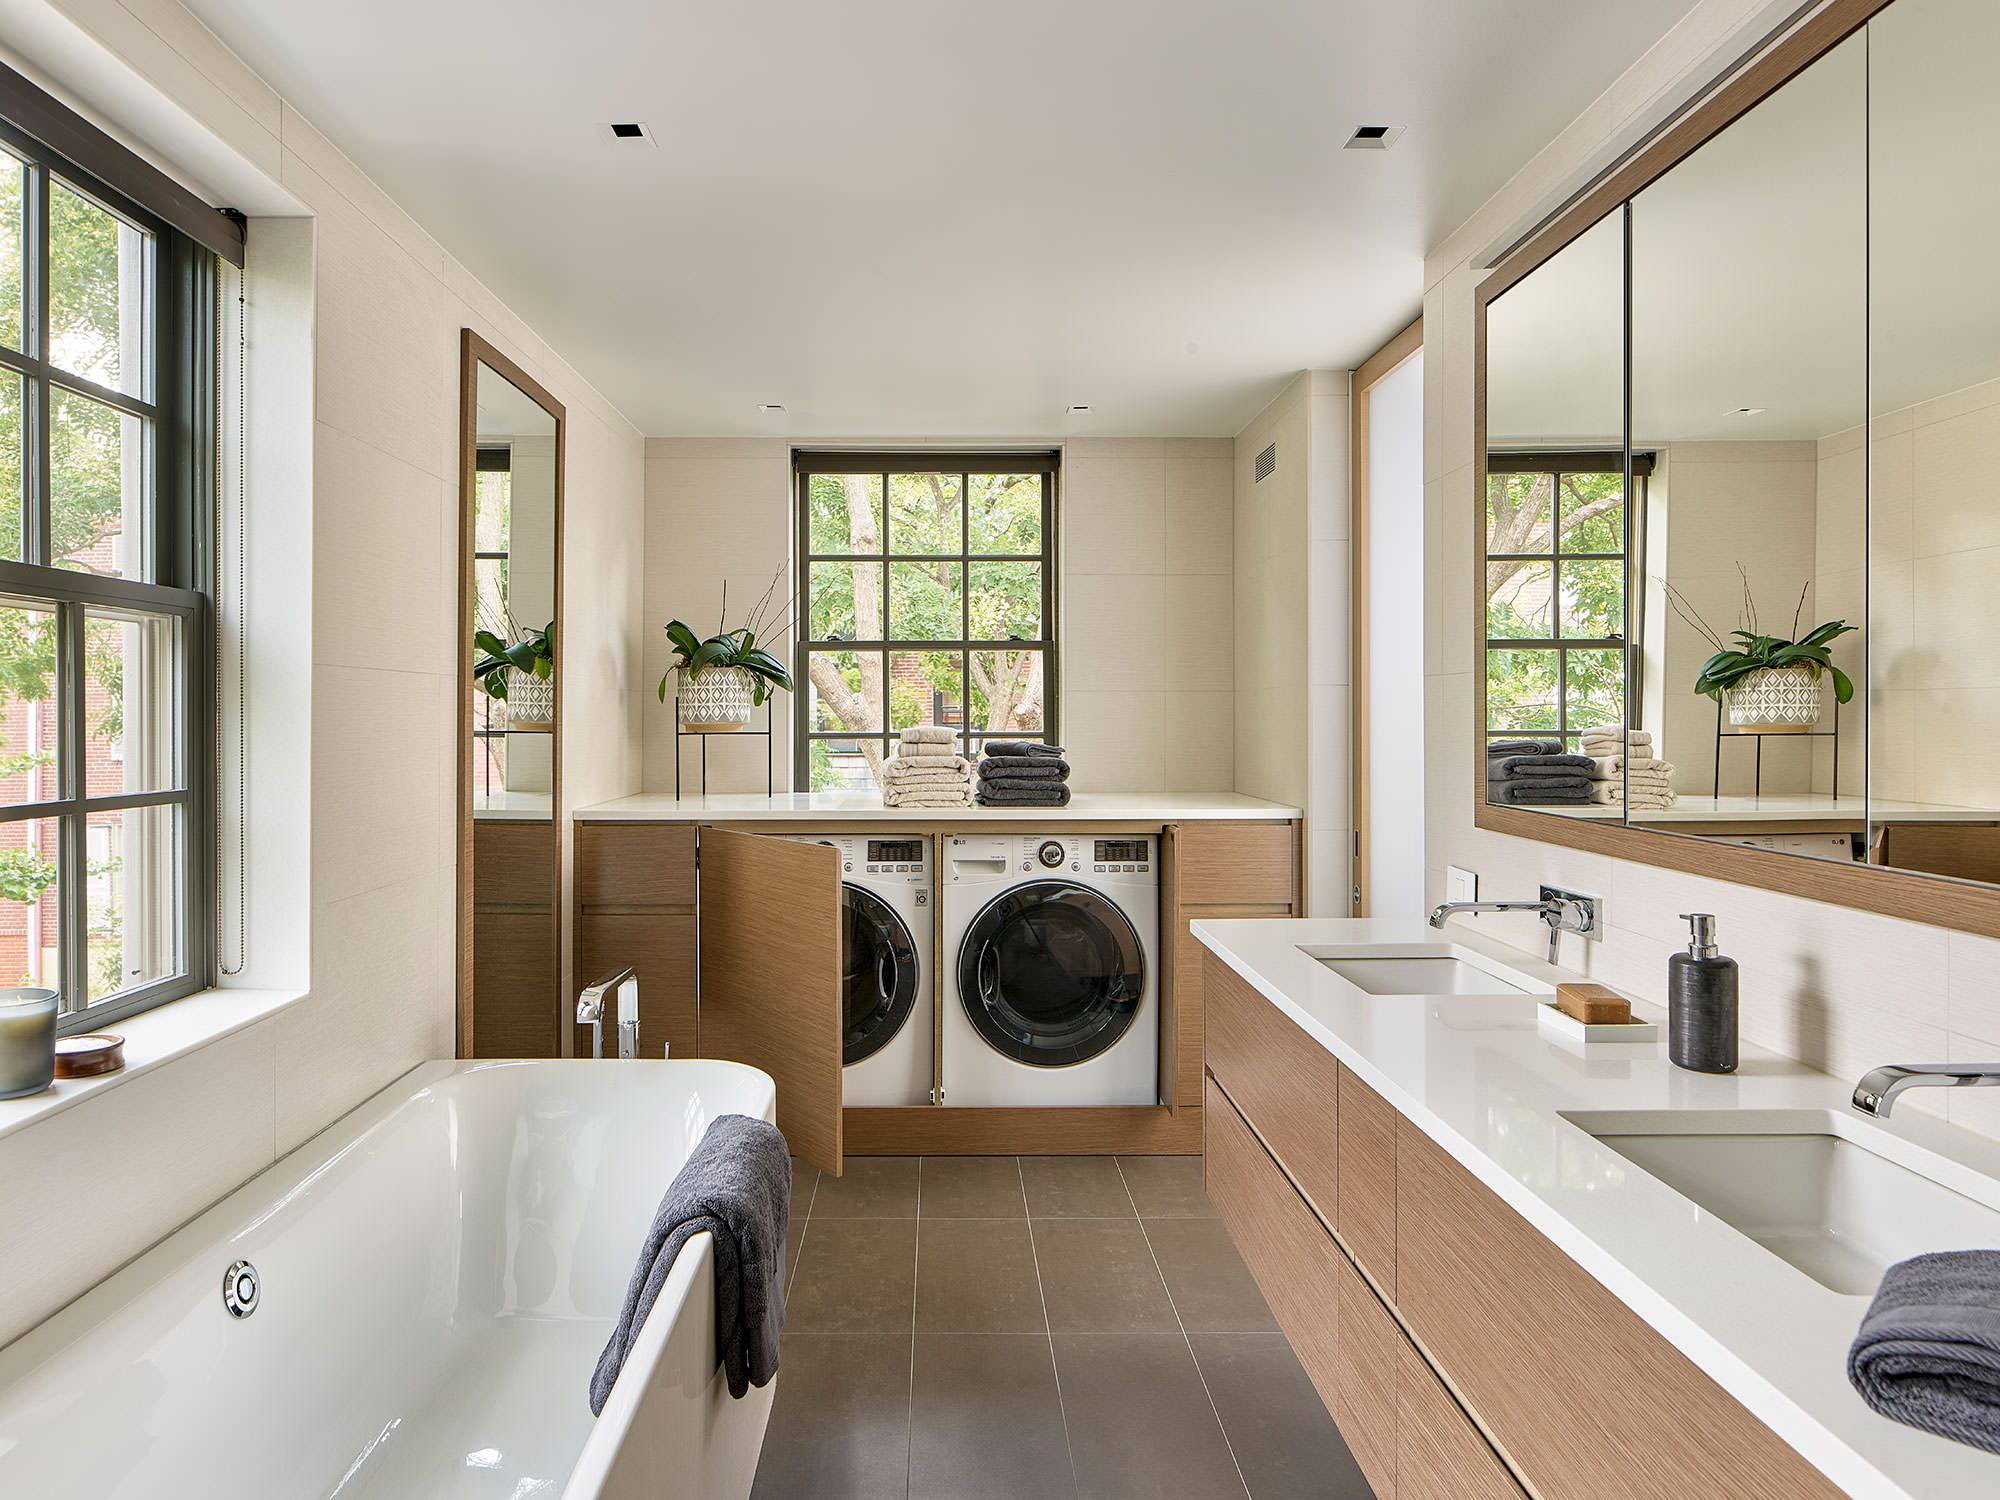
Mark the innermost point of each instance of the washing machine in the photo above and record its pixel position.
(885, 963)
(1051, 948)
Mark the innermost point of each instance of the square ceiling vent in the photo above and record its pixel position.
(629, 133)
(1374, 137)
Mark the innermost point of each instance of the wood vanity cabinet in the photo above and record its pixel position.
(1463, 1355)
(634, 893)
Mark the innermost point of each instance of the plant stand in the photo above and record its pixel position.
(767, 732)
(1761, 735)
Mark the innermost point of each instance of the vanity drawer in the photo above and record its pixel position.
(1440, 1455)
(1284, 1083)
(623, 866)
(1365, 1404)
(1367, 1218)
(1236, 864)
(1291, 1256)
(1515, 1322)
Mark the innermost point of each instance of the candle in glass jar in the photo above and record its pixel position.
(27, 1041)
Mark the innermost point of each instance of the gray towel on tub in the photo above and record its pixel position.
(1928, 1351)
(736, 1186)
(1022, 794)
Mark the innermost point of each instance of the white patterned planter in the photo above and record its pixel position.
(1776, 700)
(717, 701)
(531, 701)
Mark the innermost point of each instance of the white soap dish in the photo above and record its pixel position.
(1569, 1028)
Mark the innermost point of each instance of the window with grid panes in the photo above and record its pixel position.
(927, 597)
(107, 433)
(1558, 550)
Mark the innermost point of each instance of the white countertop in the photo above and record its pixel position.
(1785, 807)
(511, 807)
(1478, 1076)
(866, 807)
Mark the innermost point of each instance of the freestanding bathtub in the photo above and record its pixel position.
(433, 1279)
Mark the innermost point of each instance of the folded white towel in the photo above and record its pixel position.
(929, 734)
(927, 750)
(1610, 767)
(921, 796)
(1614, 742)
(1659, 771)
(1613, 794)
(901, 770)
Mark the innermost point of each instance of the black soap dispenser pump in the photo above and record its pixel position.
(1701, 1002)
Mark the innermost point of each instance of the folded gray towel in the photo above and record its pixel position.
(1928, 1350)
(1539, 793)
(1023, 768)
(1537, 765)
(1524, 747)
(1013, 794)
(736, 1186)
(1022, 747)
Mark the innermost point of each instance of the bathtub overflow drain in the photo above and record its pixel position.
(240, 1289)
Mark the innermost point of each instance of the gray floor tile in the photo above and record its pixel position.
(1140, 1423)
(795, 1233)
(840, 1425)
(987, 1423)
(1075, 1187)
(1212, 1288)
(977, 1276)
(855, 1276)
(1098, 1276)
(972, 1187)
(805, 1177)
(1283, 1438)
(870, 1187)
(1166, 1187)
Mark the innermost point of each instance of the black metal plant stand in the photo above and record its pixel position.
(1761, 735)
(767, 732)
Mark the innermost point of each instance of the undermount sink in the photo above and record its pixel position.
(1822, 1192)
(1425, 969)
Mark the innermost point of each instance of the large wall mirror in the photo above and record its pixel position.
(510, 571)
(1740, 534)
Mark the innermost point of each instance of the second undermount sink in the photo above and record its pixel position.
(1835, 1198)
(1425, 969)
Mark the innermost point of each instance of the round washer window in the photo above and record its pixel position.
(1051, 973)
(878, 980)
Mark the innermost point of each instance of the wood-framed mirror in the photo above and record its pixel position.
(509, 715)
(1737, 412)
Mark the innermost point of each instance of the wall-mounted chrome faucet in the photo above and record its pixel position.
(1876, 1093)
(590, 1011)
(1563, 911)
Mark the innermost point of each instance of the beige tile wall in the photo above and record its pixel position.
(1145, 600)
(1843, 989)
(104, 1180)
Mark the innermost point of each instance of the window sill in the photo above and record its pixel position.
(152, 1039)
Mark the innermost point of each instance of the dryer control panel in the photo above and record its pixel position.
(908, 858)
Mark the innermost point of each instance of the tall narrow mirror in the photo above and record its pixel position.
(511, 490)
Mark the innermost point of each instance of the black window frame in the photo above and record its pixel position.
(964, 466)
(1636, 473)
(180, 406)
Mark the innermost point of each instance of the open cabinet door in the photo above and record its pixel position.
(770, 976)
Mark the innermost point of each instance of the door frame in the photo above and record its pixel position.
(1384, 362)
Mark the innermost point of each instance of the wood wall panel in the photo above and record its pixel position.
(1285, 1084)
(1367, 1215)
(1440, 1454)
(1517, 1324)
(1238, 864)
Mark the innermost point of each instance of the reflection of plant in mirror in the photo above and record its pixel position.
(534, 653)
(1756, 652)
(736, 648)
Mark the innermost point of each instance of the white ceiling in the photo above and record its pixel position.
(922, 218)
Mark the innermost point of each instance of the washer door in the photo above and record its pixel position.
(1051, 973)
(878, 980)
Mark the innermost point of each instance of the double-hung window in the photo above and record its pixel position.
(927, 598)
(107, 459)
(1557, 589)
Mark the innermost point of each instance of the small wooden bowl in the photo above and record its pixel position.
(88, 1056)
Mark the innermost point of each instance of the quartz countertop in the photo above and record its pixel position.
(511, 807)
(866, 807)
(1478, 1076)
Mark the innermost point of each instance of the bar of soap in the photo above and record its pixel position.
(1593, 1004)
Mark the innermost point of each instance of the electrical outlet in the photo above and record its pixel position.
(1460, 885)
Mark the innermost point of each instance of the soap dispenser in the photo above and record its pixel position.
(1701, 1002)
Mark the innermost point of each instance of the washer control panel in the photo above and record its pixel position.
(896, 861)
(1123, 856)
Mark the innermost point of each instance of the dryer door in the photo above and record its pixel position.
(878, 973)
(1051, 973)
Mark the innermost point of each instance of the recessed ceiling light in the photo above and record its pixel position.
(771, 409)
(1374, 137)
(1749, 411)
(630, 133)
(1079, 411)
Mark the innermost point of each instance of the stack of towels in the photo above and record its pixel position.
(1626, 770)
(1023, 773)
(927, 770)
(1536, 773)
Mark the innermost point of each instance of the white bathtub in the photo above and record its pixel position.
(438, 1273)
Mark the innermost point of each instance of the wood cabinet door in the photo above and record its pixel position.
(1440, 1455)
(770, 976)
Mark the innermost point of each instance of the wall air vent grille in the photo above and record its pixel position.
(1267, 462)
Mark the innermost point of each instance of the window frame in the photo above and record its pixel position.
(1556, 464)
(965, 466)
(179, 406)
